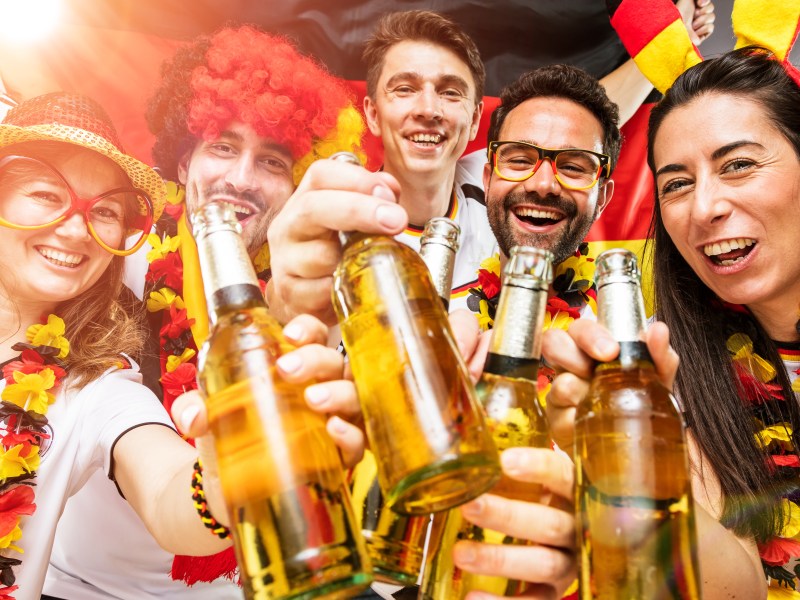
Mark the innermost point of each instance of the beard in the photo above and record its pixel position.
(562, 243)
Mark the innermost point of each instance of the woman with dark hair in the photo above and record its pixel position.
(724, 149)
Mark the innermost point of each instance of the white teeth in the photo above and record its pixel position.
(727, 245)
(242, 209)
(433, 138)
(534, 213)
(61, 258)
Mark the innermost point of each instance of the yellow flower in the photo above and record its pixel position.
(12, 536)
(779, 592)
(30, 390)
(484, 320)
(161, 248)
(261, 262)
(781, 433)
(741, 346)
(13, 465)
(791, 524)
(173, 362)
(492, 264)
(583, 268)
(51, 334)
(796, 385)
(175, 193)
(561, 321)
(163, 299)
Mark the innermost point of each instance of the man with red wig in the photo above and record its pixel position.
(239, 116)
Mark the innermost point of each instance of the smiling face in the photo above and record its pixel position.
(539, 211)
(244, 169)
(729, 195)
(47, 266)
(424, 109)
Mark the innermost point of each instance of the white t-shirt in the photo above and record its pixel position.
(85, 424)
(477, 242)
(112, 555)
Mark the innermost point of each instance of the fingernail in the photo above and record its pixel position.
(294, 332)
(317, 394)
(187, 417)
(465, 554)
(390, 216)
(604, 345)
(383, 192)
(289, 363)
(338, 425)
(511, 461)
(473, 509)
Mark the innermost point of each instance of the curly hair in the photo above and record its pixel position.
(420, 25)
(244, 74)
(562, 81)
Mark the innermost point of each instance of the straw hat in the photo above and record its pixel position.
(76, 119)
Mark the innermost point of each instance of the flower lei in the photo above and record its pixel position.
(760, 391)
(178, 360)
(31, 383)
(573, 283)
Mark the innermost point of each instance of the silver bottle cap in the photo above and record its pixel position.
(344, 156)
(214, 216)
(617, 266)
(441, 230)
(529, 267)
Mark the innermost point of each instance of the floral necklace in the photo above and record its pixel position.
(764, 397)
(573, 282)
(32, 381)
(180, 335)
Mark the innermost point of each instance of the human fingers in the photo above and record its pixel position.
(537, 564)
(554, 470)
(530, 521)
(577, 349)
(189, 414)
(348, 438)
(534, 591)
(664, 357)
(310, 362)
(465, 331)
(563, 398)
(703, 19)
(335, 397)
(478, 359)
(306, 329)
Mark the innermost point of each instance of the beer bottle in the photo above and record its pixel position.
(633, 491)
(421, 414)
(293, 527)
(507, 391)
(396, 542)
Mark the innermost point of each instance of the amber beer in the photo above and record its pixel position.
(293, 527)
(633, 495)
(396, 542)
(422, 417)
(507, 391)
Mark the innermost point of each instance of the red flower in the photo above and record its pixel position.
(15, 502)
(177, 323)
(5, 593)
(25, 437)
(556, 305)
(754, 390)
(786, 460)
(170, 268)
(489, 282)
(778, 551)
(180, 380)
(30, 361)
(174, 210)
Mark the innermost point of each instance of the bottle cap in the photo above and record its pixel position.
(214, 216)
(529, 267)
(441, 230)
(617, 266)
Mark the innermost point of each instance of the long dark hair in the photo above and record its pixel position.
(707, 384)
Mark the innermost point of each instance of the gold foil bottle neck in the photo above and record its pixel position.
(529, 267)
(441, 230)
(617, 265)
(620, 306)
(214, 216)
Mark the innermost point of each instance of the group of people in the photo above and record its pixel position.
(242, 117)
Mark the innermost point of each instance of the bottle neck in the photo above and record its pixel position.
(516, 343)
(229, 280)
(440, 259)
(620, 309)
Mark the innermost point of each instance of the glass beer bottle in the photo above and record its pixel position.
(396, 542)
(293, 527)
(633, 492)
(422, 417)
(507, 390)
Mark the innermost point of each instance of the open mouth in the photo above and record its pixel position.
(426, 139)
(60, 258)
(729, 252)
(538, 217)
(242, 212)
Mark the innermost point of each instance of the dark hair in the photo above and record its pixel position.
(562, 81)
(420, 25)
(707, 384)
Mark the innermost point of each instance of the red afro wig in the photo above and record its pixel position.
(281, 94)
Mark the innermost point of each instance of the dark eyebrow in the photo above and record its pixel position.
(716, 155)
(442, 80)
(264, 146)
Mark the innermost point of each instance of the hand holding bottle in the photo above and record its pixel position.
(573, 354)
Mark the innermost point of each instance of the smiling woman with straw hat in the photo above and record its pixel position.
(72, 205)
